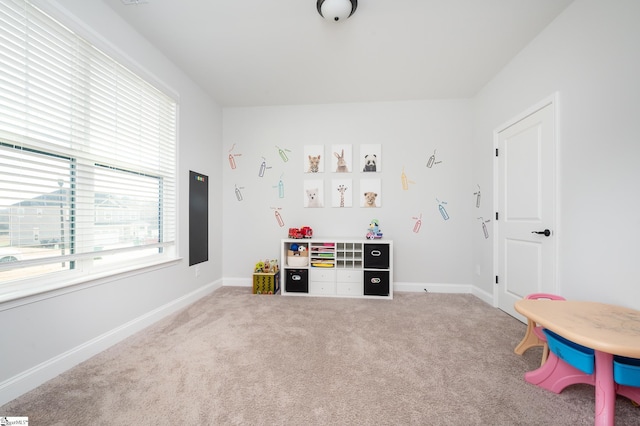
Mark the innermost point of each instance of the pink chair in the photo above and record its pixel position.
(534, 336)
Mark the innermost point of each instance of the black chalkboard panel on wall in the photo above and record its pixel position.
(198, 218)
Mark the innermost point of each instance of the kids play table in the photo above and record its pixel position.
(607, 329)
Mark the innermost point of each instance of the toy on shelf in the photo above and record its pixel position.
(297, 250)
(299, 233)
(267, 267)
(374, 232)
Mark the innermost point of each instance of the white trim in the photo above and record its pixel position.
(432, 287)
(20, 293)
(47, 370)
(549, 100)
(237, 282)
(397, 286)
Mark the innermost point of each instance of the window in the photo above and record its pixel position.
(87, 157)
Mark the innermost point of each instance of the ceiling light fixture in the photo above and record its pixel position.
(336, 10)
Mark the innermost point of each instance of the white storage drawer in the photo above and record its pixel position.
(322, 287)
(349, 283)
(322, 274)
(349, 289)
(349, 276)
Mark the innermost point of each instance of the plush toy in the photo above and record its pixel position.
(274, 266)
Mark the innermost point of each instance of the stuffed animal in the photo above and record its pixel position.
(273, 267)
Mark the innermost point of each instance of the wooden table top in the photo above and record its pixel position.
(607, 328)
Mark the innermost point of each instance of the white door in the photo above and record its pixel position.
(526, 195)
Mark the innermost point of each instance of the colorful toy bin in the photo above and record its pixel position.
(298, 255)
(266, 283)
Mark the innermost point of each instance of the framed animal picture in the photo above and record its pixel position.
(314, 159)
(341, 193)
(370, 193)
(371, 158)
(313, 196)
(342, 158)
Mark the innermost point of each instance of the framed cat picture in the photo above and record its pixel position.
(314, 159)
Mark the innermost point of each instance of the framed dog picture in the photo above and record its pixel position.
(314, 159)
(370, 193)
(371, 158)
(313, 196)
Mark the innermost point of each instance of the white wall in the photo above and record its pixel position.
(43, 336)
(408, 132)
(590, 56)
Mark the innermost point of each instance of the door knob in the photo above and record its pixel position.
(546, 232)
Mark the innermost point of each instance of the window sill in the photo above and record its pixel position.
(30, 291)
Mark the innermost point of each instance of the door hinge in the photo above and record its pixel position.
(496, 215)
(496, 279)
(496, 152)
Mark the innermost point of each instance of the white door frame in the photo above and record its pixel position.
(552, 99)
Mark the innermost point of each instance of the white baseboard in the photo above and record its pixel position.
(483, 295)
(28, 380)
(237, 282)
(400, 286)
(432, 287)
(445, 288)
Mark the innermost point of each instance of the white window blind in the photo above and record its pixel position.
(87, 153)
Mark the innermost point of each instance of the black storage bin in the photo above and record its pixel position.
(376, 256)
(296, 280)
(376, 283)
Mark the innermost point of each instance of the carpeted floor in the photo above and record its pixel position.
(235, 358)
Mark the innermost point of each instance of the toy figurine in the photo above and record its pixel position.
(374, 230)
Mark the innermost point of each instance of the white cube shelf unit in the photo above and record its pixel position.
(332, 267)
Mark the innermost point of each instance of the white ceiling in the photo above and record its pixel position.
(281, 52)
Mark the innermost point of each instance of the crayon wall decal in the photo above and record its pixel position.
(405, 181)
(263, 167)
(280, 187)
(278, 216)
(477, 194)
(484, 226)
(283, 153)
(442, 210)
(239, 192)
(418, 224)
(232, 160)
(432, 160)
